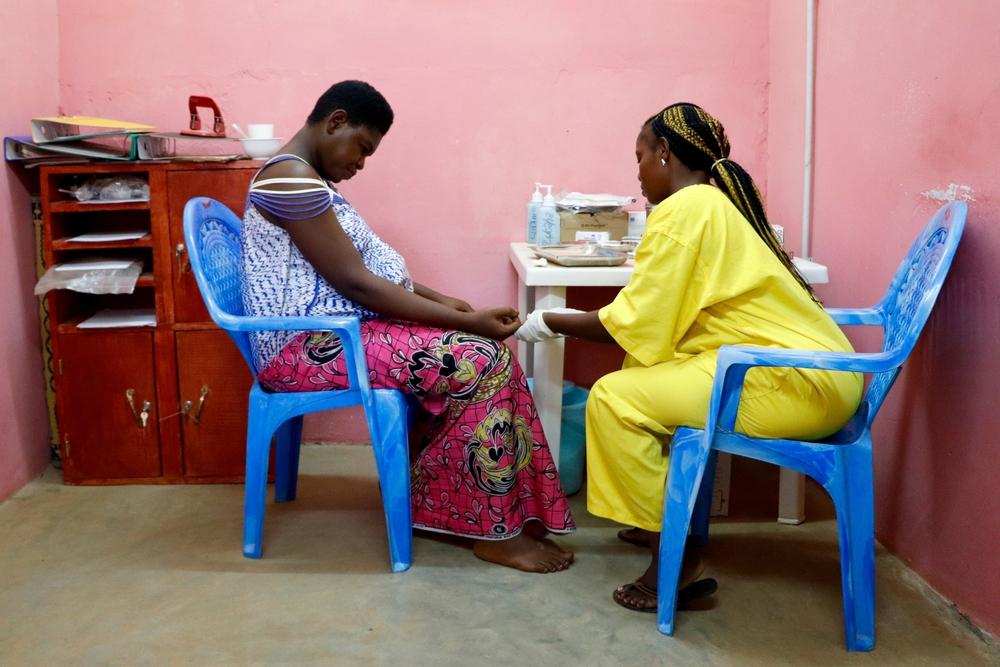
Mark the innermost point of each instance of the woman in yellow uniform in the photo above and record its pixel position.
(709, 272)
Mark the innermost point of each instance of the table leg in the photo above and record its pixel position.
(525, 304)
(791, 497)
(548, 372)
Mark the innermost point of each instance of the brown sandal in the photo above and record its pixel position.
(696, 590)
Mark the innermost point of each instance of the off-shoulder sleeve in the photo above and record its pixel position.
(307, 200)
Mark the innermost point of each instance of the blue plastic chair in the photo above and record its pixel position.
(842, 463)
(212, 236)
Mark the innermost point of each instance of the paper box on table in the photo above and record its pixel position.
(615, 224)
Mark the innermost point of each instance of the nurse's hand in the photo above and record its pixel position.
(535, 330)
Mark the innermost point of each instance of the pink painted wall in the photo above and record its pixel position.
(906, 103)
(489, 98)
(28, 78)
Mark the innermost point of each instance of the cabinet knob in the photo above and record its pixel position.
(196, 415)
(141, 416)
(183, 265)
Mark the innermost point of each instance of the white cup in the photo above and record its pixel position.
(260, 130)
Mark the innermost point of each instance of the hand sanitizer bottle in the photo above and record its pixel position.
(548, 220)
(533, 206)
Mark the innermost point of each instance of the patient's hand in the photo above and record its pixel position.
(457, 304)
(496, 323)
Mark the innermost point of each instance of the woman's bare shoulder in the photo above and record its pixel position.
(288, 169)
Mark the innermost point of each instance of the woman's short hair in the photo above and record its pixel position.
(364, 105)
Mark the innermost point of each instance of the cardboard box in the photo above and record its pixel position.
(615, 224)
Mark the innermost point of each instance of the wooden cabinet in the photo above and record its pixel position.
(152, 404)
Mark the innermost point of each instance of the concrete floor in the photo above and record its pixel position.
(137, 575)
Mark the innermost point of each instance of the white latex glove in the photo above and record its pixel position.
(535, 330)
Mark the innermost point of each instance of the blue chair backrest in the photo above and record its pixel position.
(212, 236)
(907, 303)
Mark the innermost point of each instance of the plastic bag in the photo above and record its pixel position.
(91, 280)
(110, 188)
(579, 202)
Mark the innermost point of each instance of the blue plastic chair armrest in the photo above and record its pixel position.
(858, 362)
(347, 328)
(241, 323)
(867, 316)
(735, 361)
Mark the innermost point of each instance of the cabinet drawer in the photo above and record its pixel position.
(105, 384)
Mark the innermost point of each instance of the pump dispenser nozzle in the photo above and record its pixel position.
(537, 196)
(549, 199)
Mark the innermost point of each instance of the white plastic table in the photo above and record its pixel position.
(545, 287)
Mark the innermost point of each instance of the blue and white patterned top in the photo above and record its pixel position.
(277, 280)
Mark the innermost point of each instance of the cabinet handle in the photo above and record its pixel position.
(183, 265)
(196, 416)
(141, 417)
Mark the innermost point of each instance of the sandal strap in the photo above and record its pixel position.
(644, 589)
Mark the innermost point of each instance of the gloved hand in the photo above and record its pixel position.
(534, 329)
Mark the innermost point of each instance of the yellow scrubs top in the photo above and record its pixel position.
(702, 279)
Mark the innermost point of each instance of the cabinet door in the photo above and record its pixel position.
(102, 378)
(228, 186)
(214, 378)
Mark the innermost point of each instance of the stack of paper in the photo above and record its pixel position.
(95, 265)
(92, 237)
(113, 318)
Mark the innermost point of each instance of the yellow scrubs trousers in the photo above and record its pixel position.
(631, 415)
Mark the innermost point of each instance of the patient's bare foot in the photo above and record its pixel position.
(524, 552)
(538, 531)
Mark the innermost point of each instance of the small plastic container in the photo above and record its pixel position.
(573, 443)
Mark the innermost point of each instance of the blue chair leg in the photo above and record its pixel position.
(288, 440)
(852, 492)
(703, 505)
(393, 462)
(687, 465)
(259, 431)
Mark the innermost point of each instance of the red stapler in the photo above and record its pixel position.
(196, 102)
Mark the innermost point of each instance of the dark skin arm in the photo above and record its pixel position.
(579, 325)
(450, 301)
(323, 242)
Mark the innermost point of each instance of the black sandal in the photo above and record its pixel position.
(696, 590)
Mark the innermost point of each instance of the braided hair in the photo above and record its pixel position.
(699, 141)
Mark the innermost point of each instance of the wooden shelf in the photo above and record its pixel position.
(195, 326)
(68, 206)
(65, 244)
(72, 326)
